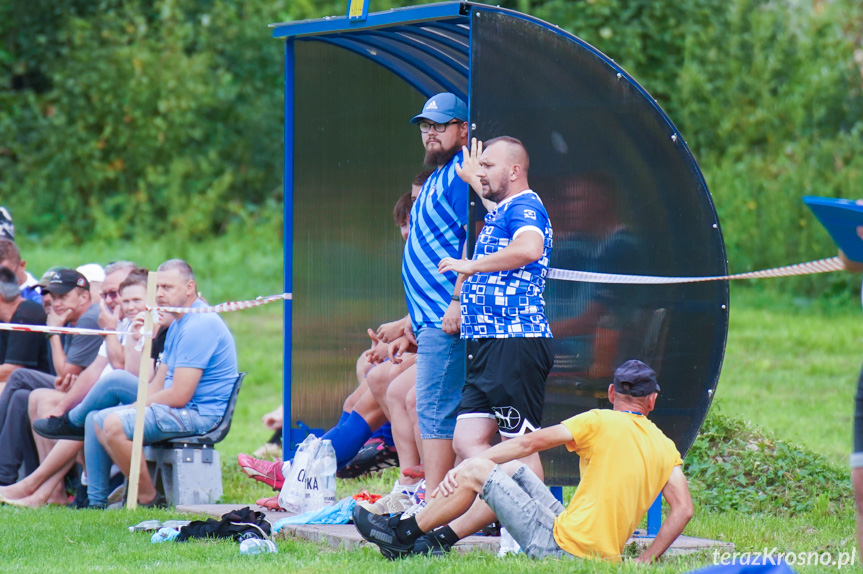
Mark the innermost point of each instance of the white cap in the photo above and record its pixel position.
(92, 271)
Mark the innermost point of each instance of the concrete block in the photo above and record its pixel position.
(186, 475)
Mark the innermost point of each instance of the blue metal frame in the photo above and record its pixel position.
(288, 232)
(334, 24)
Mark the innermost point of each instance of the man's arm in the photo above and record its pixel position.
(61, 366)
(524, 249)
(676, 492)
(81, 386)
(181, 390)
(512, 449)
(451, 321)
(853, 266)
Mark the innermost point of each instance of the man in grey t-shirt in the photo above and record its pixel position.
(71, 354)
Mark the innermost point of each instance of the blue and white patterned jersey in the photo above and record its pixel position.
(508, 303)
(437, 230)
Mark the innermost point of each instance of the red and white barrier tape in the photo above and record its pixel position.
(57, 330)
(229, 306)
(808, 268)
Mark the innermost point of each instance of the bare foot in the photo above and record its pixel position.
(15, 491)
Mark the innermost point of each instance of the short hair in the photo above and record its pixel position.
(137, 276)
(180, 266)
(421, 177)
(9, 251)
(115, 266)
(9, 288)
(402, 209)
(524, 162)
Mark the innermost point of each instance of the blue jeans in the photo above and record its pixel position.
(160, 423)
(118, 387)
(440, 379)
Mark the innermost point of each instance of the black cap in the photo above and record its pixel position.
(64, 280)
(640, 379)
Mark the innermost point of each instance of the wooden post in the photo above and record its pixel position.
(143, 381)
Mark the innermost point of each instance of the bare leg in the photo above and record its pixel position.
(363, 368)
(438, 459)
(49, 476)
(42, 401)
(403, 431)
(411, 408)
(442, 509)
(119, 447)
(473, 436)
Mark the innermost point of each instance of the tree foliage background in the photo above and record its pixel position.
(140, 118)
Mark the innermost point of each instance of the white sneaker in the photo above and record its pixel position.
(392, 503)
(409, 489)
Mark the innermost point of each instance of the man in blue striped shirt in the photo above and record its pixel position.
(437, 230)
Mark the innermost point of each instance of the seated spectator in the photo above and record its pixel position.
(626, 461)
(96, 276)
(45, 485)
(71, 306)
(52, 401)
(10, 257)
(188, 395)
(19, 349)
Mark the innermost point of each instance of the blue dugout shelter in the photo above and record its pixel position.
(623, 192)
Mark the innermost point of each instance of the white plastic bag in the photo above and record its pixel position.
(292, 496)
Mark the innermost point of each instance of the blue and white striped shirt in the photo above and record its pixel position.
(437, 230)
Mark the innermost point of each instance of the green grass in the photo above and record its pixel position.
(769, 469)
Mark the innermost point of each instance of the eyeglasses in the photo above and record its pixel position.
(110, 295)
(425, 127)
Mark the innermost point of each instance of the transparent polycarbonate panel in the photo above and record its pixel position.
(624, 196)
(355, 153)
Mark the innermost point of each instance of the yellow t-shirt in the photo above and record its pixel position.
(625, 463)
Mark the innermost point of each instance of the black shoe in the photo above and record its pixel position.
(381, 530)
(58, 428)
(375, 455)
(431, 545)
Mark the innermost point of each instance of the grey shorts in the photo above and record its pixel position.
(526, 507)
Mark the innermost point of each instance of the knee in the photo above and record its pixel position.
(475, 473)
(462, 446)
(111, 428)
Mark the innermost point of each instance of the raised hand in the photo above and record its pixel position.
(470, 165)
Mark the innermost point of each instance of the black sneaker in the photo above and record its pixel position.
(58, 428)
(381, 530)
(430, 544)
(375, 455)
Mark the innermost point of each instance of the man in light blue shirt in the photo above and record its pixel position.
(437, 230)
(188, 395)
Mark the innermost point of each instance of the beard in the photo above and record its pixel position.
(499, 194)
(438, 158)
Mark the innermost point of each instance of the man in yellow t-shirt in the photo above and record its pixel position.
(626, 461)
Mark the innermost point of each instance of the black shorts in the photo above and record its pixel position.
(506, 382)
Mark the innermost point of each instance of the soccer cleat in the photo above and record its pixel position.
(270, 473)
(270, 503)
(58, 428)
(381, 530)
(417, 471)
(375, 455)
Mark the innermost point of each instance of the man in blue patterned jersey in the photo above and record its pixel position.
(437, 230)
(502, 314)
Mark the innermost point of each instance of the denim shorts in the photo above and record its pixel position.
(161, 422)
(527, 509)
(440, 378)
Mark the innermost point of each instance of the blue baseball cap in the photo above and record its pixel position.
(442, 108)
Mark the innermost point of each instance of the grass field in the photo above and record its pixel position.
(776, 480)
